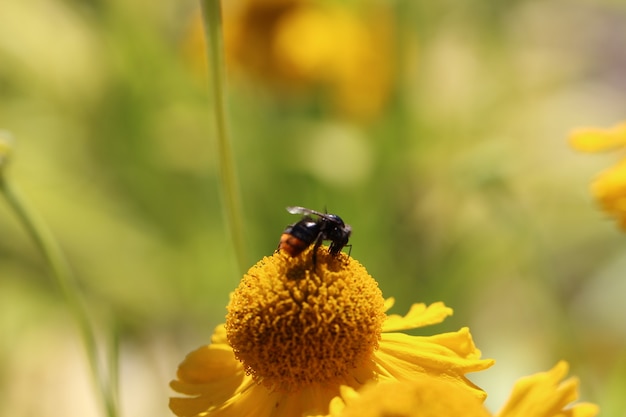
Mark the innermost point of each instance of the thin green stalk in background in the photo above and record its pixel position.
(212, 17)
(62, 274)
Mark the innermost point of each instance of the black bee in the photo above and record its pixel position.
(299, 236)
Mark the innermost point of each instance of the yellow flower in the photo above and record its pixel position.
(304, 46)
(296, 332)
(609, 188)
(539, 395)
(335, 47)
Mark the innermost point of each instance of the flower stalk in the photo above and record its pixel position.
(62, 274)
(212, 18)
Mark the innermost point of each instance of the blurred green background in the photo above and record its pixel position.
(438, 130)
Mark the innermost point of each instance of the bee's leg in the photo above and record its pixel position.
(318, 243)
(349, 252)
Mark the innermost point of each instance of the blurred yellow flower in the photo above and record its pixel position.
(609, 188)
(540, 395)
(303, 45)
(335, 47)
(296, 332)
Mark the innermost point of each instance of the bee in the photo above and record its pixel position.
(313, 229)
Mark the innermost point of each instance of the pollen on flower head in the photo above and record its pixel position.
(293, 324)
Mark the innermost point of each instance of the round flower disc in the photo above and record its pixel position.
(293, 323)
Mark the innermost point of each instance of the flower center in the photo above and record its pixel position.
(293, 324)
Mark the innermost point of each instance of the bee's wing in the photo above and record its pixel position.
(303, 210)
(307, 212)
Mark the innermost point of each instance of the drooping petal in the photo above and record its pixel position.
(545, 395)
(420, 397)
(594, 139)
(190, 407)
(447, 356)
(209, 364)
(313, 400)
(255, 401)
(210, 376)
(419, 315)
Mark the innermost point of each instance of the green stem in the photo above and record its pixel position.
(61, 272)
(212, 16)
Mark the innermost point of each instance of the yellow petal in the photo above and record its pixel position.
(419, 315)
(421, 397)
(583, 410)
(545, 395)
(447, 356)
(336, 407)
(389, 302)
(210, 375)
(598, 139)
(219, 334)
(189, 407)
(252, 401)
(208, 364)
(313, 400)
(256, 401)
